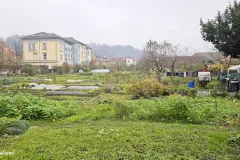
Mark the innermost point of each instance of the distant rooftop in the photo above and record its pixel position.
(42, 35)
(208, 55)
(72, 40)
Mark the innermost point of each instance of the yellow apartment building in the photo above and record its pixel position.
(43, 49)
(50, 49)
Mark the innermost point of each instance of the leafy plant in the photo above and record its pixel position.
(146, 88)
(234, 142)
(13, 126)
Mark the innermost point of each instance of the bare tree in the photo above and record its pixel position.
(185, 62)
(15, 43)
(144, 64)
(2, 57)
(160, 55)
(8, 59)
(172, 52)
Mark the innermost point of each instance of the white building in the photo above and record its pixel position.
(68, 52)
(130, 61)
(79, 51)
(89, 54)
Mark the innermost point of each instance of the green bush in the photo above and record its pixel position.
(57, 69)
(30, 69)
(146, 88)
(31, 107)
(178, 109)
(213, 83)
(86, 70)
(108, 88)
(121, 108)
(182, 109)
(13, 126)
(234, 142)
(170, 109)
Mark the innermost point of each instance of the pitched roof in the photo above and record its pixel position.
(42, 35)
(88, 47)
(72, 40)
(209, 55)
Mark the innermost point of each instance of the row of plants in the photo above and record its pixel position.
(172, 109)
(28, 107)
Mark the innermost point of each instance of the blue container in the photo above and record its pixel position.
(190, 84)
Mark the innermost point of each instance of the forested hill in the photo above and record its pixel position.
(116, 50)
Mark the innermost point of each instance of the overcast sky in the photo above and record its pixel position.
(124, 22)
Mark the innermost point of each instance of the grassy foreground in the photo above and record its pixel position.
(120, 140)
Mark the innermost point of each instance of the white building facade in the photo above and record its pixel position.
(130, 61)
(68, 52)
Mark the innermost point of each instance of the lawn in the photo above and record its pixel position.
(120, 140)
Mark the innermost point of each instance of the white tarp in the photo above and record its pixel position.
(235, 68)
(100, 71)
(204, 76)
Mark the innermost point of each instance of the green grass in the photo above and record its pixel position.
(91, 129)
(121, 140)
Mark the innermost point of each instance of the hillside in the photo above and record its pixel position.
(116, 51)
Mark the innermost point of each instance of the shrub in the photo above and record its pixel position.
(13, 126)
(65, 68)
(30, 69)
(57, 69)
(234, 142)
(75, 68)
(108, 88)
(121, 108)
(173, 109)
(44, 69)
(86, 69)
(146, 88)
(211, 84)
(29, 107)
(182, 109)
(178, 109)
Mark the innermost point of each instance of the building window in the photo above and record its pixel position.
(44, 56)
(44, 46)
(71, 55)
(31, 47)
(68, 55)
(61, 57)
(66, 60)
